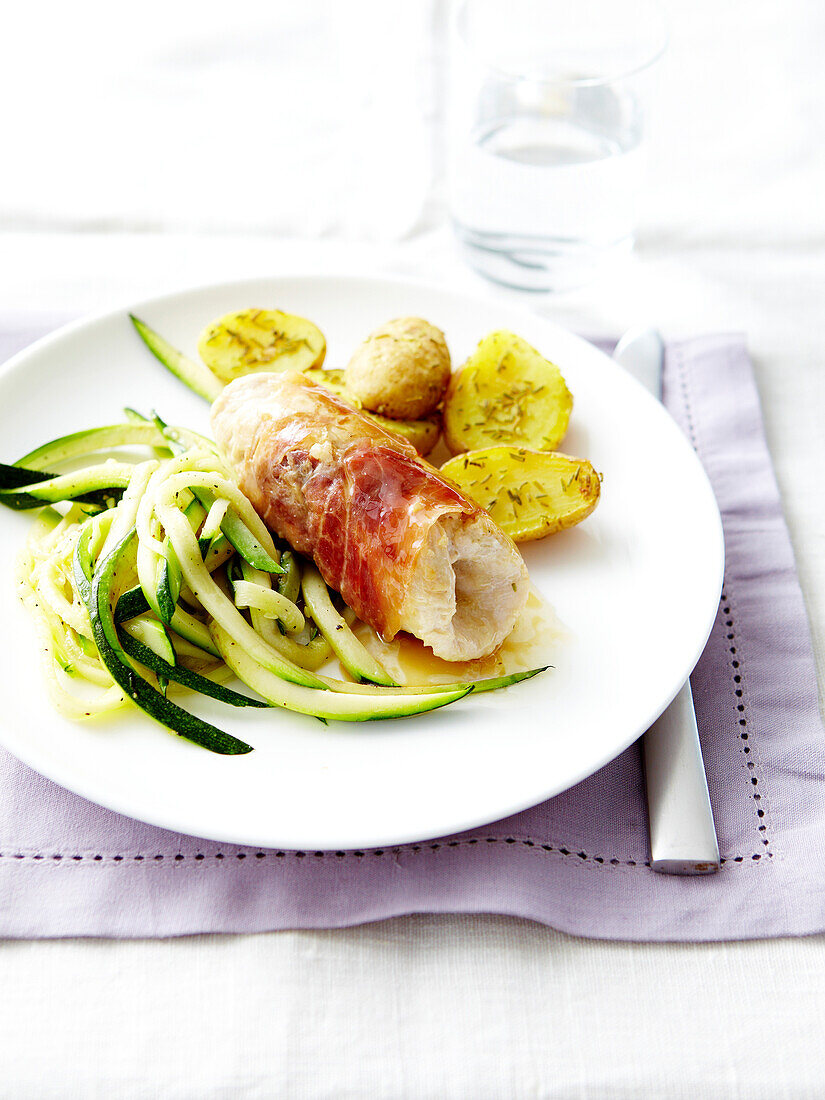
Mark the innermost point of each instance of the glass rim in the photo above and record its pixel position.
(561, 78)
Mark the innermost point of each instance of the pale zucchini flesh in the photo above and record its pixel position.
(218, 605)
(325, 704)
(94, 583)
(312, 654)
(153, 635)
(91, 440)
(351, 652)
(193, 374)
(99, 485)
(492, 683)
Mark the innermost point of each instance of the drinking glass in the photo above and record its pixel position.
(545, 133)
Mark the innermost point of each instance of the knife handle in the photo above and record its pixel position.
(682, 834)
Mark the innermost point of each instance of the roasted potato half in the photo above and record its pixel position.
(423, 433)
(332, 380)
(528, 493)
(251, 340)
(506, 393)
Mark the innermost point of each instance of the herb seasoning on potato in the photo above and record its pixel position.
(506, 393)
(251, 340)
(401, 370)
(529, 494)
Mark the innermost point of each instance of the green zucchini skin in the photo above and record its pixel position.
(14, 477)
(239, 535)
(180, 439)
(91, 440)
(478, 687)
(96, 589)
(134, 603)
(18, 477)
(496, 682)
(99, 485)
(130, 605)
(152, 634)
(193, 630)
(349, 650)
(233, 527)
(24, 502)
(184, 676)
(196, 376)
(168, 591)
(289, 585)
(170, 580)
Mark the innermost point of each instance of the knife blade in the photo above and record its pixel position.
(680, 818)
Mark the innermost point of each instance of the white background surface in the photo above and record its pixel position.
(267, 123)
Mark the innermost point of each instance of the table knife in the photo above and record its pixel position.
(682, 834)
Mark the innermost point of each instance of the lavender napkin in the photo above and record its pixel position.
(577, 862)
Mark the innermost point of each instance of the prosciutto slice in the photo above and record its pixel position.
(401, 543)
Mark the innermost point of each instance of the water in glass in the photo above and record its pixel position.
(544, 183)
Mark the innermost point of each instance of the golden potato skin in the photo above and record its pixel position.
(423, 433)
(401, 370)
(506, 393)
(528, 493)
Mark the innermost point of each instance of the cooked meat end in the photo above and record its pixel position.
(468, 588)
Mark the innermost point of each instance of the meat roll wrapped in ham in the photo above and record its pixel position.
(404, 547)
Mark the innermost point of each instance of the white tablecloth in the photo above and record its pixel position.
(733, 237)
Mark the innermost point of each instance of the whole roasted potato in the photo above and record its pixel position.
(422, 432)
(401, 370)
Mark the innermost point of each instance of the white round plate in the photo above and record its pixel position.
(636, 588)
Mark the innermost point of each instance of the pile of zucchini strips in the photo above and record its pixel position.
(151, 578)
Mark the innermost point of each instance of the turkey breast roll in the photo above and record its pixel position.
(400, 542)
